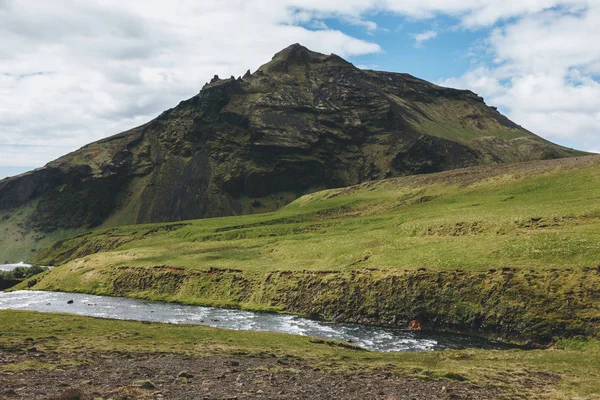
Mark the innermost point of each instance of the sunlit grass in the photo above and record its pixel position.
(508, 220)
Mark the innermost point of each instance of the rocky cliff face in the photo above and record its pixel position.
(301, 122)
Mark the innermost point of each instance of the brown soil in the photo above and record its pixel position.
(167, 376)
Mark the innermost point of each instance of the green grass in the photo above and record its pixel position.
(453, 120)
(518, 218)
(19, 239)
(505, 251)
(573, 366)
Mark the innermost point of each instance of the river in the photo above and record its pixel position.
(374, 338)
(10, 267)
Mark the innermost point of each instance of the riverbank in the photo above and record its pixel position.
(534, 307)
(113, 359)
(369, 337)
(13, 274)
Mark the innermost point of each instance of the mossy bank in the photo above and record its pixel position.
(532, 306)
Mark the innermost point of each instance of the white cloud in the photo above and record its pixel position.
(422, 37)
(369, 25)
(544, 74)
(74, 71)
(473, 13)
(480, 80)
(368, 66)
(487, 13)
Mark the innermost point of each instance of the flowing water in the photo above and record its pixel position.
(367, 336)
(10, 267)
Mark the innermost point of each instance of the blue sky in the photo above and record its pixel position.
(74, 72)
(443, 56)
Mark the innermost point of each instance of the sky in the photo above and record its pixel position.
(75, 71)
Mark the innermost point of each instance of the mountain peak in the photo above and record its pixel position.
(296, 54)
(305, 121)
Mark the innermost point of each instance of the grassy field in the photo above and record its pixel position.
(541, 214)
(569, 370)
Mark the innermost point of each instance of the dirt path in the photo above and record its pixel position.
(37, 375)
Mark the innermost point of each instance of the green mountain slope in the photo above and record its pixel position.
(509, 250)
(302, 122)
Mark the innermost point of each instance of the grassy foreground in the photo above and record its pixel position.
(569, 370)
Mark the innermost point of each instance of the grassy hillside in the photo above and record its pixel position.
(508, 251)
(540, 214)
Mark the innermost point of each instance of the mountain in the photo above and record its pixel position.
(302, 122)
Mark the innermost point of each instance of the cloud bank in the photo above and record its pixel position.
(544, 72)
(74, 71)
